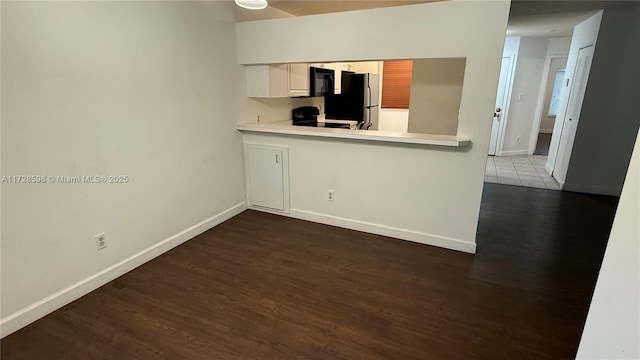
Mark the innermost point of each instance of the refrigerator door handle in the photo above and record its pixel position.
(369, 89)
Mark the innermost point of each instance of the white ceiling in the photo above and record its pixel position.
(554, 25)
(285, 8)
(554, 18)
(251, 15)
(539, 7)
(310, 7)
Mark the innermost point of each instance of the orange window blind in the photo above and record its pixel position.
(396, 84)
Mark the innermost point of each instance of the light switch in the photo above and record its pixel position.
(521, 97)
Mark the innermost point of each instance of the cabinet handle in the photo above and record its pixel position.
(277, 158)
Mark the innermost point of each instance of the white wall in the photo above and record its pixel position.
(584, 34)
(273, 41)
(395, 120)
(559, 46)
(145, 89)
(274, 109)
(397, 191)
(524, 95)
(436, 91)
(419, 203)
(610, 114)
(372, 67)
(612, 330)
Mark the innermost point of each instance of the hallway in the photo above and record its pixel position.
(543, 144)
(527, 170)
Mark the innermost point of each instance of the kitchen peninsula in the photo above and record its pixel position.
(414, 187)
(286, 128)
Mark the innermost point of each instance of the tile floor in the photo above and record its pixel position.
(527, 170)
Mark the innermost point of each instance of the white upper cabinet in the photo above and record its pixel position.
(282, 80)
(345, 66)
(292, 80)
(324, 65)
(298, 75)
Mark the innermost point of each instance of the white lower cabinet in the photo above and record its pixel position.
(267, 169)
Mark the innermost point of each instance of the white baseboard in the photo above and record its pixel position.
(415, 236)
(514, 153)
(545, 131)
(33, 312)
(549, 169)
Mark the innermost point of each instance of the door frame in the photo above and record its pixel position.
(535, 127)
(567, 117)
(507, 100)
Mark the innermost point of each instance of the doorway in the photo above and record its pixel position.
(553, 87)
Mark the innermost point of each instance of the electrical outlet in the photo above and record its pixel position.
(101, 241)
(330, 195)
(518, 139)
(258, 118)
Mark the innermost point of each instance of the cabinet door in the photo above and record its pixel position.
(268, 177)
(267, 80)
(298, 79)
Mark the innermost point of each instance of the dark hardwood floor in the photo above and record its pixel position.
(261, 286)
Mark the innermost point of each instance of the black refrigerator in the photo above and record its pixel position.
(358, 100)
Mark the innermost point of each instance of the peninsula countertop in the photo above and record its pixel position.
(287, 128)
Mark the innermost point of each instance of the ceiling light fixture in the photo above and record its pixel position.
(252, 4)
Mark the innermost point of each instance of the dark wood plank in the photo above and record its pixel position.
(261, 286)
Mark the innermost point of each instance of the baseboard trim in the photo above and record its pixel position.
(33, 312)
(403, 234)
(514, 153)
(549, 169)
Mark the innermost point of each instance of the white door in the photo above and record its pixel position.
(501, 104)
(267, 174)
(574, 105)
